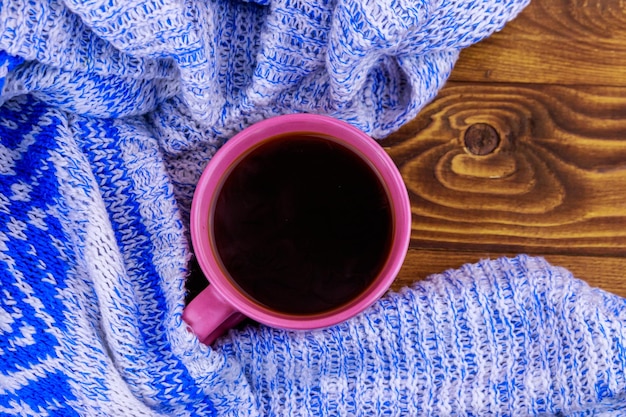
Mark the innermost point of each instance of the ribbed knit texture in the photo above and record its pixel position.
(109, 112)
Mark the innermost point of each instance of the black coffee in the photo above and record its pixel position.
(302, 224)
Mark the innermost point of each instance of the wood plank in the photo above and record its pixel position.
(602, 272)
(555, 183)
(555, 42)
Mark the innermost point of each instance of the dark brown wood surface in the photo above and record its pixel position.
(524, 150)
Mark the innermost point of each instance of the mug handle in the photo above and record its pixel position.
(209, 315)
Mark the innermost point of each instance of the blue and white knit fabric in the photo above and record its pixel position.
(109, 112)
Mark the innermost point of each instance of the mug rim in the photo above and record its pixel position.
(238, 147)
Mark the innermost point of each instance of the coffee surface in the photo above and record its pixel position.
(302, 224)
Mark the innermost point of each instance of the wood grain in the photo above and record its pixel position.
(574, 42)
(552, 182)
(524, 151)
(556, 183)
(603, 272)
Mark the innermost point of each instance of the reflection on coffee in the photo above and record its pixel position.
(302, 224)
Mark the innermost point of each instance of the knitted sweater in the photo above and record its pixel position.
(110, 110)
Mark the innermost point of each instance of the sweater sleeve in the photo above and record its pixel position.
(505, 337)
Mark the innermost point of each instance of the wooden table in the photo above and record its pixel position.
(524, 150)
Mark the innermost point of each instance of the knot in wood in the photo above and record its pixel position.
(481, 139)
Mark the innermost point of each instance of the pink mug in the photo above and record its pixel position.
(223, 304)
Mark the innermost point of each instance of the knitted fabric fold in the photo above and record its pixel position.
(109, 112)
(503, 337)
